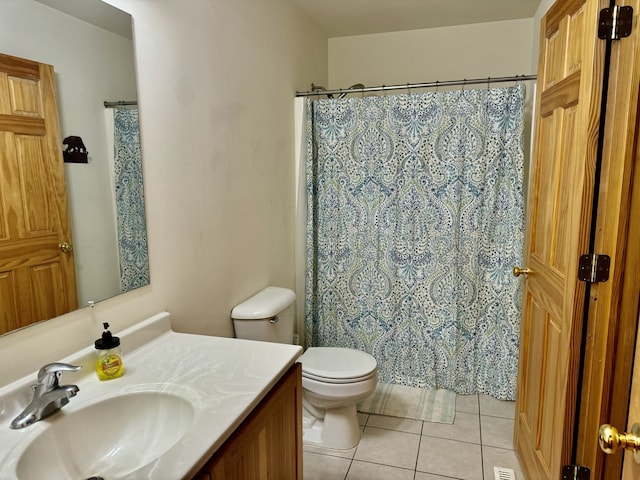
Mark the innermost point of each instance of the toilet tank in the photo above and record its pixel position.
(267, 316)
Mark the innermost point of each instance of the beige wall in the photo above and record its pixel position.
(449, 53)
(216, 88)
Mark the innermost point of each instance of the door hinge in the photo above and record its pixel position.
(594, 268)
(615, 22)
(575, 472)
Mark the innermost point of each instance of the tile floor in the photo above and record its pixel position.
(480, 438)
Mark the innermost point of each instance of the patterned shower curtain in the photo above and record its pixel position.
(129, 195)
(415, 219)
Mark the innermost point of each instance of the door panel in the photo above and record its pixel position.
(33, 176)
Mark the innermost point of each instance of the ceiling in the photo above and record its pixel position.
(95, 12)
(339, 18)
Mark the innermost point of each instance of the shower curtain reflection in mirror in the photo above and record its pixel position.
(129, 199)
(415, 218)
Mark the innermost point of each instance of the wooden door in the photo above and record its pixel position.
(558, 223)
(630, 318)
(37, 279)
(613, 305)
(631, 470)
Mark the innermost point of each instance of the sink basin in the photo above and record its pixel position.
(111, 438)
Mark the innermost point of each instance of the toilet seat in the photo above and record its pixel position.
(337, 365)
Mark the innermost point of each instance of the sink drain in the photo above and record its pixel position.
(95, 478)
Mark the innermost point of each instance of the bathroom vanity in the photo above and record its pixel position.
(268, 444)
(187, 407)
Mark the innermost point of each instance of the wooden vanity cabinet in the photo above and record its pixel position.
(268, 444)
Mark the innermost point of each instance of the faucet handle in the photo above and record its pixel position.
(49, 374)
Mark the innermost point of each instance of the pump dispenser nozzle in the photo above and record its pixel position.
(109, 362)
(108, 340)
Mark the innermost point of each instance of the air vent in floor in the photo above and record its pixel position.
(502, 473)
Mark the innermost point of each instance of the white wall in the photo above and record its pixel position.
(91, 65)
(216, 93)
(449, 53)
(544, 6)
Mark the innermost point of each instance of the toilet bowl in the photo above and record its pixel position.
(334, 379)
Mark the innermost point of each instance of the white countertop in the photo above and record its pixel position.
(224, 379)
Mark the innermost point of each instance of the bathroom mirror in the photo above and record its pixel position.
(89, 44)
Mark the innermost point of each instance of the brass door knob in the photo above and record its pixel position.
(517, 271)
(611, 440)
(66, 247)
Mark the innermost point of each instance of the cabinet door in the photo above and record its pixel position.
(268, 444)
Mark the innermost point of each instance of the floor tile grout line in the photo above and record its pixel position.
(501, 448)
(456, 440)
(496, 416)
(415, 471)
(415, 465)
(481, 447)
(398, 467)
(355, 450)
(399, 431)
(346, 474)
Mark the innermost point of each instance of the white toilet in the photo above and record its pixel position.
(333, 379)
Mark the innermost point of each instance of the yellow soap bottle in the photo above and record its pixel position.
(109, 356)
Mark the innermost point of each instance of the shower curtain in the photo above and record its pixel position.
(415, 219)
(129, 200)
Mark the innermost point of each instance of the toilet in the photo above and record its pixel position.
(334, 379)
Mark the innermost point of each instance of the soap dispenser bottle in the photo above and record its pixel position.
(109, 356)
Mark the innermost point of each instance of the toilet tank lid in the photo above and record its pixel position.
(266, 304)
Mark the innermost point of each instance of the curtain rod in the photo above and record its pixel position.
(408, 86)
(121, 103)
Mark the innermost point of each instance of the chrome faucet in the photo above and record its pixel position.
(48, 396)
